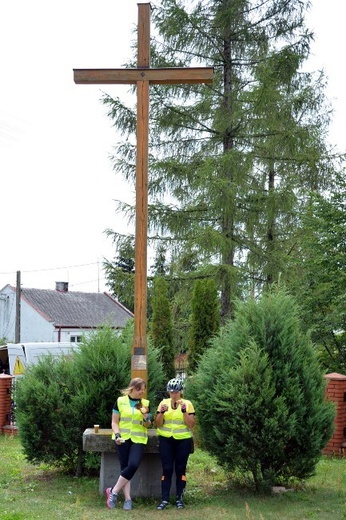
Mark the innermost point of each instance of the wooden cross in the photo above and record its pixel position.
(142, 76)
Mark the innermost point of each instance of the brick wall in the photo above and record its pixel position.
(336, 392)
(5, 399)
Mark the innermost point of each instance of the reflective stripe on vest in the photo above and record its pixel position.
(165, 429)
(126, 431)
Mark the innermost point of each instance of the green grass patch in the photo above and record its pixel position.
(29, 492)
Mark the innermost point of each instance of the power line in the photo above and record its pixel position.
(51, 268)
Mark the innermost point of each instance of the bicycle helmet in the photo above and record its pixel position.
(175, 385)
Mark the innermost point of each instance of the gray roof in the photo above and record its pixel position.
(77, 309)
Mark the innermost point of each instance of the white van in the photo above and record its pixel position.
(14, 357)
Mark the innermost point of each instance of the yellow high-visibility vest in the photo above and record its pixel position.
(131, 421)
(173, 422)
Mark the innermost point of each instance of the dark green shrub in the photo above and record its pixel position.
(59, 398)
(260, 394)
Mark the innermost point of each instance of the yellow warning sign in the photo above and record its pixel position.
(18, 367)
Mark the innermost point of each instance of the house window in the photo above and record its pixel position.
(75, 339)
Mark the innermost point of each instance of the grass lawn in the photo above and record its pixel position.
(30, 492)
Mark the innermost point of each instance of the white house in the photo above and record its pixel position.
(57, 315)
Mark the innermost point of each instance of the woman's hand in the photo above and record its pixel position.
(182, 405)
(147, 420)
(118, 439)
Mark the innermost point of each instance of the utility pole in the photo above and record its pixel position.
(17, 326)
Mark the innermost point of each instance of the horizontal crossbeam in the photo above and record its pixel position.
(132, 76)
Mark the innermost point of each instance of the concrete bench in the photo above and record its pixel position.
(147, 480)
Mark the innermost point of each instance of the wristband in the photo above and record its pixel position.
(117, 436)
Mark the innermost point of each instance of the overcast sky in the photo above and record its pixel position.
(57, 183)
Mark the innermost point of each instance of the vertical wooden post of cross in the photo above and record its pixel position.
(142, 77)
(139, 347)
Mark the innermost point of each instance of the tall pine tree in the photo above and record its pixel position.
(231, 164)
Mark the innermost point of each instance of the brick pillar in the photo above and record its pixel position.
(336, 392)
(5, 399)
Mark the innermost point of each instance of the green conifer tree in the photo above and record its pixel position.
(120, 272)
(237, 158)
(161, 326)
(205, 320)
(259, 393)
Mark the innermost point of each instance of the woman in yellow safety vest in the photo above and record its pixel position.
(130, 420)
(175, 417)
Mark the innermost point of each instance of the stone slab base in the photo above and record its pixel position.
(146, 482)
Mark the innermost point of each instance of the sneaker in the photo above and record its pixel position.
(179, 503)
(111, 498)
(127, 505)
(163, 505)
